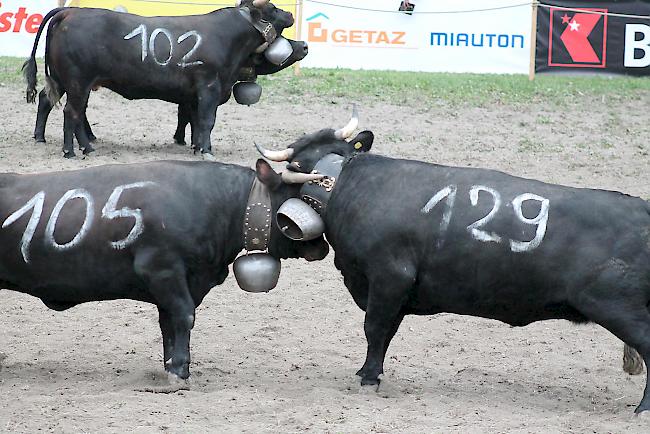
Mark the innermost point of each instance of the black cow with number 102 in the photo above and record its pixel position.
(192, 61)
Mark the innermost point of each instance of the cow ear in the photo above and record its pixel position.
(267, 175)
(363, 141)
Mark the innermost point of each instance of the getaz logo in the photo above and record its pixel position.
(577, 39)
(318, 32)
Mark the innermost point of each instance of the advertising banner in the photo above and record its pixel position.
(594, 36)
(149, 8)
(491, 36)
(19, 21)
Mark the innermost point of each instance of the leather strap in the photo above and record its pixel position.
(257, 221)
(265, 28)
(317, 193)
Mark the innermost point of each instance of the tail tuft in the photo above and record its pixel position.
(632, 361)
(52, 91)
(29, 72)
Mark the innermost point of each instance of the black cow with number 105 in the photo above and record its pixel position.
(413, 238)
(150, 232)
(192, 61)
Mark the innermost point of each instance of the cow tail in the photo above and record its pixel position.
(29, 67)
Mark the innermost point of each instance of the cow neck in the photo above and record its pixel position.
(317, 193)
(257, 218)
(264, 27)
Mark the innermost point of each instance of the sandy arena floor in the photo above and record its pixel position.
(285, 361)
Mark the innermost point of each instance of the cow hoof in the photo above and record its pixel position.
(87, 150)
(207, 156)
(39, 139)
(370, 381)
(180, 142)
(69, 154)
(643, 410)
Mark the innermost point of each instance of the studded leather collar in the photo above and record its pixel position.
(257, 220)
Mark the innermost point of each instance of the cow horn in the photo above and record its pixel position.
(259, 3)
(238, 3)
(289, 177)
(347, 130)
(275, 155)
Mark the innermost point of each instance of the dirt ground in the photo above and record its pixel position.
(285, 361)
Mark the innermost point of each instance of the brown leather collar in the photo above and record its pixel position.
(257, 221)
(265, 28)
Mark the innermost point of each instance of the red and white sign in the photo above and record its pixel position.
(19, 22)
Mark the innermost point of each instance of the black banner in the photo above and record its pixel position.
(583, 36)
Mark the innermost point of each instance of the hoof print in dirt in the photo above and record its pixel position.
(165, 383)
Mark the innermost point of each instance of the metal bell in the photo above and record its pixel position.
(257, 272)
(279, 51)
(298, 221)
(247, 92)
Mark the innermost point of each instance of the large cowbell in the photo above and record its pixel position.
(258, 271)
(279, 51)
(301, 220)
(247, 92)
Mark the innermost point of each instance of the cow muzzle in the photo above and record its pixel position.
(279, 51)
(298, 221)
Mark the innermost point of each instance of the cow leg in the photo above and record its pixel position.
(184, 117)
(391, 333)
(73, 116)
(173, 296)
(168, 336)
(82, 133)
(89, 132)
(386, 299)
(167, 283)
(208, 101)
(44, 108)
(627, 318)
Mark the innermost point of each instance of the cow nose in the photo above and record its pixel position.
(305, 48)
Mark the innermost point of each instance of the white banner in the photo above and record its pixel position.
(485, 36)
(19, 22)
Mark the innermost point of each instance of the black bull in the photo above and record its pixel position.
(417, 238)
(192, 61)
(257, 65)
(146, 232)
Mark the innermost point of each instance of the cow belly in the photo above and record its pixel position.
(511, 305)
(80, 288)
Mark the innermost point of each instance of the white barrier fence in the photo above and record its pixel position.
(491, 36)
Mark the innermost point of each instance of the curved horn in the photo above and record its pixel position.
(347, 130)
(289, 177)
(259, 3)
(275, 155)
(261, 48)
